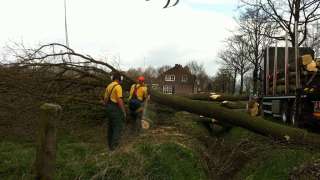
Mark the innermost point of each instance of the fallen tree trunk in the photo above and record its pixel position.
(255, 124)
(208, 97)
(207, 109)
(234, 104)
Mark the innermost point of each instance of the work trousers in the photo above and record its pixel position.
(136, 117)
(116, 124)
(136, 120)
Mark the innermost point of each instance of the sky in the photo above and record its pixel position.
(133, 33)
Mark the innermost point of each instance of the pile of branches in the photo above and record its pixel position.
(46, 75)
(51, 73)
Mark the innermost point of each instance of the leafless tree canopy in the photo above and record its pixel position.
(236, 57)
(255, 30)
(47, 74)
(285, 12)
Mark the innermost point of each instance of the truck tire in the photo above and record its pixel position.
(293, 117)
(285, 113)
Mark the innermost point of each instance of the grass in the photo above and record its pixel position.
(82, 154)
(275, 164)
(72, 160)
(271, 159)
(16, 160)
(176, 147)
(171, 161)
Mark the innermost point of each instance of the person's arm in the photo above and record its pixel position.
(131, 91)
(145, 94)
(120, 103)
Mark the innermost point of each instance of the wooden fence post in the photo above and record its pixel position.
(46, 141)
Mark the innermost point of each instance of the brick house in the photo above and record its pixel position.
(177, 80)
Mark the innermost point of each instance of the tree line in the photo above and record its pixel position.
(152, 73)
(263, 23)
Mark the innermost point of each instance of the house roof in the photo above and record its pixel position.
(178, 69)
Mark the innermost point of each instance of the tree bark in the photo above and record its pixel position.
(233, 105)
(241, 83)
(206, 97)
(234, 82)
(255, 124)
(255, 79)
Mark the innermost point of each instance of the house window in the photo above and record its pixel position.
(184, 78)
(167, 89)
(170, 78)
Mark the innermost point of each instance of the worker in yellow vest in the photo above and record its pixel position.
(137, 98)
(115, 110)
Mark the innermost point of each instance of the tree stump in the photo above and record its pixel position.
(46, 141)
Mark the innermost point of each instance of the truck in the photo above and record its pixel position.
(291, 86)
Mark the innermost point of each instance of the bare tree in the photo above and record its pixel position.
(198, 70)
(163, 69)
(256, 30)
(313, 39)
(134, 72)
(149, 73)
(236, 56)
(286, 12)
(226, 57)
(222, 82)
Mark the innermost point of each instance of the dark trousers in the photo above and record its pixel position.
(116, 124)
(136, 120)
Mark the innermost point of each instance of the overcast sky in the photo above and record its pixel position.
(140, 32)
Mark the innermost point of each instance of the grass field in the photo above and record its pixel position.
(176, 147)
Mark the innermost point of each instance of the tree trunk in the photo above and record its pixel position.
(241, 83)
(233, 104)
(234, 82)
(206, 97)
(255, 79)
(224, 115)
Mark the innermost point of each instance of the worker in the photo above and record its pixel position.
(115, 110)
(137, 98)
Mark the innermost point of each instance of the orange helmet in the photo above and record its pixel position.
(141, 79)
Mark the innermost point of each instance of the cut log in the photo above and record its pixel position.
(280, 89)
(306, 59)
(282, 81)
(255, 124)
(253, 108)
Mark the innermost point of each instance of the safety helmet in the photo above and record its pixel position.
(141, 79)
